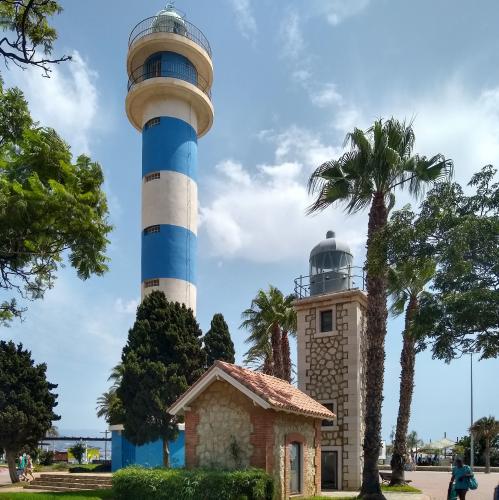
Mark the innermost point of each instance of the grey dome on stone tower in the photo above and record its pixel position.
(330, 266)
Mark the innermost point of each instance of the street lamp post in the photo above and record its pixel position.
(472, 440)
(106, 432)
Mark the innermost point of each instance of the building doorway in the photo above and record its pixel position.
(329, 470)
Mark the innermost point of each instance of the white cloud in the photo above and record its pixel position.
(67, 101)
(326, 95)
(459, 123)
(336, 11)
(301, 145)
(291, 35)
(126, 306)
(244, 17)
(259, 214)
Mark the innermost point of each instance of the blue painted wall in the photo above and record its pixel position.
(125, 453)
(171, 65)
(171, 253)
(170, 145)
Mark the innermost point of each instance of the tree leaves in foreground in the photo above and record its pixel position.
(461, 232)
(50, 207)
(162, 358)
(26, 402)
(217, 342)
(31, 37)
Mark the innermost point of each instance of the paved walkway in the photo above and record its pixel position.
(435, 484)
(389, 496)
(434, 487)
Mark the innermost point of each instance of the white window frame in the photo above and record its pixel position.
(334, 427)
(318, 333)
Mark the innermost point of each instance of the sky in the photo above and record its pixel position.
(291, 78)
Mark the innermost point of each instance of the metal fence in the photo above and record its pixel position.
(346, 278)
(169, 70)
(167, 24)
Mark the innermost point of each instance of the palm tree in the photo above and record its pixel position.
(288, 325)
(406, 284)
(269, 320)
(108, 402)
(104, 404)
(380, 160)
(53, 431)
(486, 428)
(413, 444)
(116, 375)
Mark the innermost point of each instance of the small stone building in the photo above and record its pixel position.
(237, 418)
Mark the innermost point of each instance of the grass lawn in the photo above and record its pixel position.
(329, 498)
(406, 488)
(77, 495)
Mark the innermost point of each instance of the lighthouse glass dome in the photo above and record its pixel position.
(330, 266)
(169, 20)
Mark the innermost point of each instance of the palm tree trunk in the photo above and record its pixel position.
(375, 357)
(268, 369)
(11, 462)
(286, 356)
(166, 453)
(407, 362)
(276, 350)
(487, 456)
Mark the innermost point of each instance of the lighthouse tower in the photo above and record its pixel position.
(169, 102)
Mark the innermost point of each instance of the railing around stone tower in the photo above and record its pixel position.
(345, 278)
(168, 24)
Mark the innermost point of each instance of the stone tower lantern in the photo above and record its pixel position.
(331, 307)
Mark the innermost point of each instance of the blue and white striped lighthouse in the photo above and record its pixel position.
(169, 101)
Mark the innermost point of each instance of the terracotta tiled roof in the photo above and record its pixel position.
(276, 392)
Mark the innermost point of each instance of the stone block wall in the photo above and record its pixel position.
(289, 428)
(223, 428)
(331, 370)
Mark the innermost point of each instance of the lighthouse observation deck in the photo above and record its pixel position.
(169, 61)
(164, 24)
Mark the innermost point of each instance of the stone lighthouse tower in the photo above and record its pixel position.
(169, 102)
(330, 308)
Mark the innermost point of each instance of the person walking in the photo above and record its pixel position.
(461, 476)
(29, 468)
(22, 466)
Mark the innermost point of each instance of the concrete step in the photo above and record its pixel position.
(75, 478)
(62, 484)
(55, 488)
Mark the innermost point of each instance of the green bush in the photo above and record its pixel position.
(46, 457)
(138, 483)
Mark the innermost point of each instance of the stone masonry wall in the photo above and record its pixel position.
(285, 425)
(330, 369)
(224, 427)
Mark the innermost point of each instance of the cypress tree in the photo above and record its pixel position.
(26, 402)
(162, 358)
(217, 342)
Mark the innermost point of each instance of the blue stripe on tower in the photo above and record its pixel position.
(171, 253)
(170, 145)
